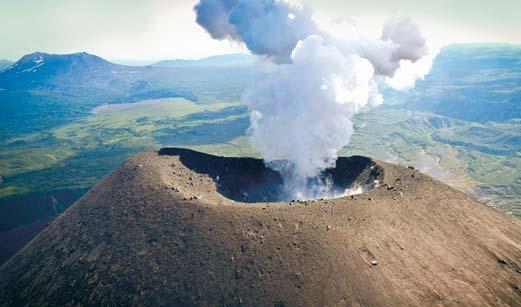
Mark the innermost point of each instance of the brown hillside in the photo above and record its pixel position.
(180, 227)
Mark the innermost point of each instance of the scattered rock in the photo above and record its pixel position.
(244, 247)
(367, 255)
(298, 279)
(503, 261)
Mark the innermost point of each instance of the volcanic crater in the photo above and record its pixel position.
(249, 180)
(179, 227)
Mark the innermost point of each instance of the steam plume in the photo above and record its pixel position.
(268, 27)
(301, 113)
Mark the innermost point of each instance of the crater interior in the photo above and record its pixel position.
(249, 180)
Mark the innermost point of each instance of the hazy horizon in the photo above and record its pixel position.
(145, 62)
(146, 32)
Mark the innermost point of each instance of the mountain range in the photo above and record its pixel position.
(62, 72)
(43, 90)
(215, 61)
(87, 72)
(474, 92)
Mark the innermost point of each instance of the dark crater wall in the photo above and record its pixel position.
(250, 180)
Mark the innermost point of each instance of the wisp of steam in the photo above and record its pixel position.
(302, 111)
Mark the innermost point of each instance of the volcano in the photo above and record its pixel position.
(179, 227)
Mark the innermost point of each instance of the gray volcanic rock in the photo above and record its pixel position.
(178, 227)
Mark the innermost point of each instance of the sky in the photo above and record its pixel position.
(141, 31)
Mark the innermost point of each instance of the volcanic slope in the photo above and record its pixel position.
(178, 227)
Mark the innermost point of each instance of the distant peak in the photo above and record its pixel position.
(44, 65)
(39, 54)
(215, 60)
(35, 55)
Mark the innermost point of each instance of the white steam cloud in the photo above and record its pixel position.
(301, 113)
(268, 27)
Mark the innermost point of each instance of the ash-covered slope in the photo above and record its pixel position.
(167, 228)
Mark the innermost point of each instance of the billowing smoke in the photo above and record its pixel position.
(268, 27)
(301, 113)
